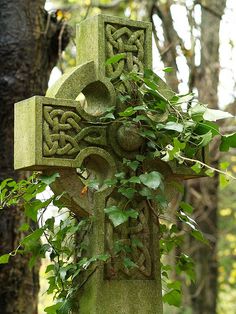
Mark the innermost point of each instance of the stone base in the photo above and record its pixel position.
(121, 297)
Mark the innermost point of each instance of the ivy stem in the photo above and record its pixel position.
(207, 166)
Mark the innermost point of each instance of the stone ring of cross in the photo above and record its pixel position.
(70, 138)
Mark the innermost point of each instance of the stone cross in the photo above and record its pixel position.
(63, 133)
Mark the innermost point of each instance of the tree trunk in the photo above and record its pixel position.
(28, 52)
(203, 193)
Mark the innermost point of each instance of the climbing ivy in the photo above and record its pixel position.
(171, 127)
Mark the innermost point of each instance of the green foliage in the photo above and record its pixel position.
(175, 128)
(119, 216)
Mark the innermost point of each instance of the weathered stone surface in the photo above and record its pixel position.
(105, 36)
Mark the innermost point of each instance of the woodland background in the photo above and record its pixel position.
(196, 38)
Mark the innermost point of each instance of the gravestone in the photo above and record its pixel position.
(62, 132)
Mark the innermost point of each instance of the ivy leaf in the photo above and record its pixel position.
(197, 167)
(24, 227)
(131, 164)
(152, 179)
(214, 115)
(224, 181)
(209, 173)
(146, 192)
(115, 58)
(65, 307)
(224, 165)
(140, 107)
(134, 180)
(110, 182)
(136, 243)
(148, 134)
(182, 98)
(187, 208)
(140, 118)
(174, 126)
(53, 308)
(108, 116)
(206, 138)
(120, 175)
(173, 297)
(103, 257)
(131, 213)
(93, 184)
(128, 112)
(118, 217)
(127, 192)
(32, 240)
(49, 268)
(128, 263)
(176, 285)
(32, 261)
(173, 151)
(196, 112)
(49, 179)
(123, 98)
(5, 182)
(31, 209)
(197, 234)
(206, 126)
(228, 141)
(4, 259)
(150, 84)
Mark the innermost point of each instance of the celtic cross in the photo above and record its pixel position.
(63, 133)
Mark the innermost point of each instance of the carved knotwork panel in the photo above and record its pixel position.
(129, 42)
(134, 240)
(65, 132)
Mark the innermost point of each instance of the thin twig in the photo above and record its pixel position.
(207, 166)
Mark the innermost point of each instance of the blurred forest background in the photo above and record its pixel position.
(196, 39)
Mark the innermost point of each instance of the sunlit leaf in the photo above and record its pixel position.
(115, 58)
(128, 112)
(214, 115)
(173, 297)
(4, 259)
(197, 167)
(186, 207)
(174, 126)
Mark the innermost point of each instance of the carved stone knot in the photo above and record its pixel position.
(129, 138)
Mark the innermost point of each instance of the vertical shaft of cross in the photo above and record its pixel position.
(114, 288)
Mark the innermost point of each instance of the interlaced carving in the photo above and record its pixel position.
(64, 133)
(130, 43)
(135, 236)
(59, 130)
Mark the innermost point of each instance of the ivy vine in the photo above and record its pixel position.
(172, 128)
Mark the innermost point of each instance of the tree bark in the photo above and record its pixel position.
(203, 193)
(28, 52)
